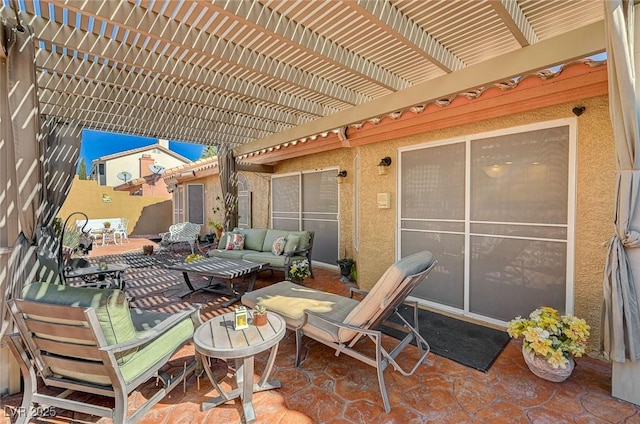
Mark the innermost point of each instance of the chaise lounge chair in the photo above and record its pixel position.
(340, 322)
(88, 340)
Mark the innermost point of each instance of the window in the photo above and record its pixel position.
(244, 202)
(195, 203)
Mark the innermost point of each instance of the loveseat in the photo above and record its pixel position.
(258, 246)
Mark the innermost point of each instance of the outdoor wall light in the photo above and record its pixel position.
(384, 165)
(341, 175)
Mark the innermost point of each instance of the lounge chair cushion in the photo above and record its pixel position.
(111, 308)
(118, 323)
(289, 300)
(386, 288)
(160, 347)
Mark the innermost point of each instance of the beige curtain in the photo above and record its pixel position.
(21, 178)
(621, 313)
(62, 150)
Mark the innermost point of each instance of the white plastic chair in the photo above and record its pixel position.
(121, 230)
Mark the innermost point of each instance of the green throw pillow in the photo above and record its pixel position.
(292, 243)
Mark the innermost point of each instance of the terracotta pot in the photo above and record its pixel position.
(543, 369)
(260, 319)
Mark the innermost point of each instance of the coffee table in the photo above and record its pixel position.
(221, 268)
(217, 338)
(94, 276)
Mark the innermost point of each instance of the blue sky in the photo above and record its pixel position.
(98, 143)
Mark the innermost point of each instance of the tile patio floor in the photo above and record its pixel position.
(332, 389)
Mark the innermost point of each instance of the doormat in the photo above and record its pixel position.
(469, 344)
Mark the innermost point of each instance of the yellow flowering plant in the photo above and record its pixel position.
(193, 257)
(299, 270)
(551, 336)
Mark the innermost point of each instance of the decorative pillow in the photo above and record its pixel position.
(292, 243)
(278, 246)
(235, 241)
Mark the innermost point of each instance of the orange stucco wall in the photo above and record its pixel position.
(147, 215)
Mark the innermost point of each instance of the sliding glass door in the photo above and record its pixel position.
(496, 210)
(309, 201)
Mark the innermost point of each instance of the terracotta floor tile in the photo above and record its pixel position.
(317, 404)
(330, 389)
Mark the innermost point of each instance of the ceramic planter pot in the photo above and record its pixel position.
(543, 369)
(260, 319)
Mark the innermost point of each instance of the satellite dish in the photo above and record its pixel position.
(157, 169)
(124, 176)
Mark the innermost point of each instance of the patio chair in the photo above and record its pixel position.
(121, 231)
(88, 340)
(183, 232)
(341, 322)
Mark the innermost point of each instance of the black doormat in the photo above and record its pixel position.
(469, 344)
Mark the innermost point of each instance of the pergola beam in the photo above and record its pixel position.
(286, 29)
(409, 33)
(180, 41)
(579, 43)
(513, 17)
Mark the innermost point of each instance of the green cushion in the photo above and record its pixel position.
(292, 243)
(229, 254)
(254, 238)
(222, 243)
(270, 237)
(110, 306)
(305, 237)
(157, 349)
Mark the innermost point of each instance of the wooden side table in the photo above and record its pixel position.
(217, 339)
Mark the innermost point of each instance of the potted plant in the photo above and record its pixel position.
(260, 315)
(299, 270)
(106, 224)
(550, 342)
(216, 227)
(346, 267)
(147, 249)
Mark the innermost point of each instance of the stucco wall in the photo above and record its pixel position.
(147, 215)
(595, 194)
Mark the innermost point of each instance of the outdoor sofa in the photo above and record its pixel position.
(258, 246)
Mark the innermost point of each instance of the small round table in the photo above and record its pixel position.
(217, 338)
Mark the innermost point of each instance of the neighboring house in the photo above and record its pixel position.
(135, 162)
(197, 195)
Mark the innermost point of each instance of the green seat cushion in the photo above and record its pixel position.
(229, 254)
(160, 348)
(110, 305)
